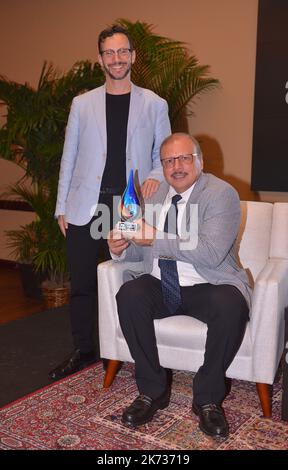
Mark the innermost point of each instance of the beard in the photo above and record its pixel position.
(117, 77)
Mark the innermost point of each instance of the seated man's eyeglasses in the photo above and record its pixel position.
(123, 52)
(186, 159)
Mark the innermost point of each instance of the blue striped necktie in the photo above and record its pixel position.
(169, 275)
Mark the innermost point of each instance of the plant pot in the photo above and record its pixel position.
(31, 281)
(55, 296)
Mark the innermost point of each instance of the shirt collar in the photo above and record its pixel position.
(185, 196)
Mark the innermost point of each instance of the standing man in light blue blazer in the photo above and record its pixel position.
(111, 130)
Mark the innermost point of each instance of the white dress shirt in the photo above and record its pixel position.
(188, 276)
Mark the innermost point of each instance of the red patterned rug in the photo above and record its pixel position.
(77, 413)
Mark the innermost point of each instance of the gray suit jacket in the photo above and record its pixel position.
(213, 255)
(85, 148)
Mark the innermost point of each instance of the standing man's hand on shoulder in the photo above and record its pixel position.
(149, 187)
(62, 224)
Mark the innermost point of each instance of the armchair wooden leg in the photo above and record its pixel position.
(265, 396)
(111, 371)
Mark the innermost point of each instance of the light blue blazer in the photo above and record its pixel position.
(85, 148)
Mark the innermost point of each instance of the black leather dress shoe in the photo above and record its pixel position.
(212, 419)
(143, 409)
(75, 362)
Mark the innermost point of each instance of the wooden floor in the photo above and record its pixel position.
(13, 303)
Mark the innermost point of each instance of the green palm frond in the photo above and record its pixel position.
(38, 198)
(165, 66)
(23, 242)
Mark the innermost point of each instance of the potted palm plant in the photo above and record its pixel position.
(166, 67)
(33, 138)
(42, 244)
(33, 135)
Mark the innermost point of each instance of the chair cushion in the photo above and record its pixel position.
(181, 331)
(187, 333)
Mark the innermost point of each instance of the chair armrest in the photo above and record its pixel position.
(270, 298)
(110, 279)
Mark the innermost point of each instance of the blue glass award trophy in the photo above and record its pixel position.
(130, 206)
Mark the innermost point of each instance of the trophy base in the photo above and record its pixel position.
(127, 226)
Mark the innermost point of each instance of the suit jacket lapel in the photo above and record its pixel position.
(136, 105)
(162, 192)
(99, 107)
(198, 188)
(194, 196)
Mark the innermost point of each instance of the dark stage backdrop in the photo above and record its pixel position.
(270, 134)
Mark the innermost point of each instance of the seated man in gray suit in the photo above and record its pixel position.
(200, 278)
(111, 130)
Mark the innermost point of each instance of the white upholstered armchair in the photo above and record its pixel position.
(263, 251)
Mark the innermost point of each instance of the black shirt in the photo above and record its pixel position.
(117, 112)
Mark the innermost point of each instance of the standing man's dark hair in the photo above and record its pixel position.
(109, 32)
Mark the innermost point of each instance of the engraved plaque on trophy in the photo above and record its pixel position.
(130, 206)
